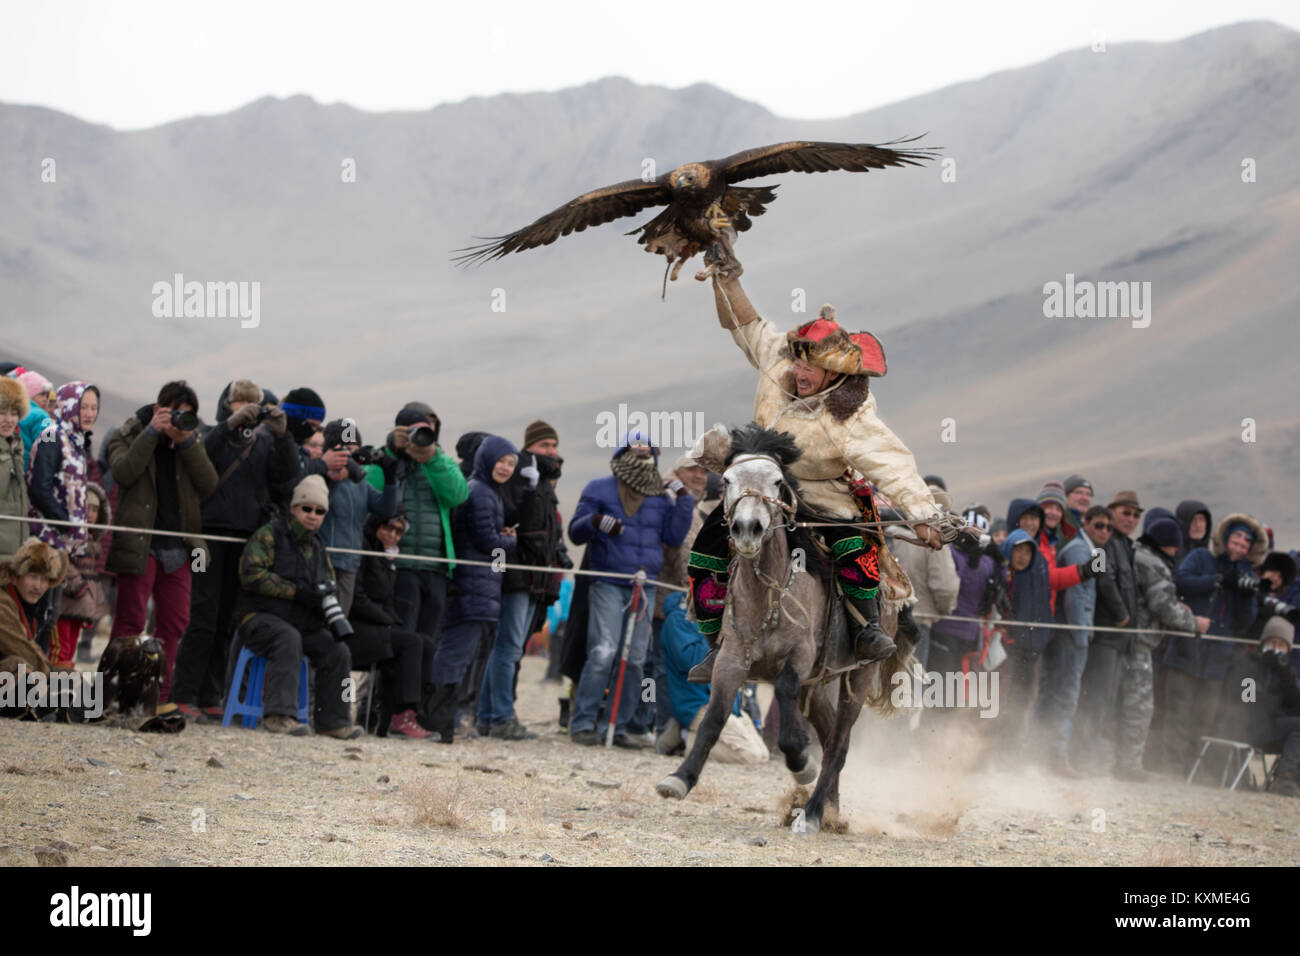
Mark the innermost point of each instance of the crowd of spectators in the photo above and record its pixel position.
(275, 528)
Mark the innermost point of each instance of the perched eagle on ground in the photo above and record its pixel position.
(704, 207)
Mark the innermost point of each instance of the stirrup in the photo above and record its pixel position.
(702, 673)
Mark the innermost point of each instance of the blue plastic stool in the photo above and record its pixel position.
(250, 708)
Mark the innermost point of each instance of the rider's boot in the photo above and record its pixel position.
(859, 574)
(708, 599)
(870, 643)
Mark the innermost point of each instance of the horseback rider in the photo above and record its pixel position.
(813, 384)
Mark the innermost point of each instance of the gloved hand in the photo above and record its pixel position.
(388, 465)
(306, 594)
(1087, 572)
(610, 525)
(531, 473)
(243, 418)
(1247, 583)
(675, 486)
(401, 436)
(1278, 660)
(277, 423)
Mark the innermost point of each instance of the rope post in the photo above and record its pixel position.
(634, 606)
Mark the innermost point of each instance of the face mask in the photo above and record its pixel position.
(392, 550)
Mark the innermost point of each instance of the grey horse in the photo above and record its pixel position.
(775, 625)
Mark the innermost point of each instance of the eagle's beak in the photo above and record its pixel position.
(682, 180)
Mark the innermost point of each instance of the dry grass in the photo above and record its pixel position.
(438, 802)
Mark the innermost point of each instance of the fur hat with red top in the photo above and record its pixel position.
(823, 343)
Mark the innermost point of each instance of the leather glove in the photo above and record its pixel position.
(531, 473)
(1087, 572)
(610, 525)
(401, 436)
(277, 422)
(388, 465)
(244, 418)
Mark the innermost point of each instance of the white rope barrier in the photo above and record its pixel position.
(496, 565)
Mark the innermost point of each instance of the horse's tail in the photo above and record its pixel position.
(878, 690)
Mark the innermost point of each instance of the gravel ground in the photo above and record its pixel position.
(91, 795)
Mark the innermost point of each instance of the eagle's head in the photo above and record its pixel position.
(690, 178)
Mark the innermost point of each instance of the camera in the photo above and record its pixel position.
(1272, 606)
(184, 420)
(421, 436)
(335, 618)
(368, 455)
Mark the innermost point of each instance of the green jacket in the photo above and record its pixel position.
(435, 487)
(131, 459)
(13, 495)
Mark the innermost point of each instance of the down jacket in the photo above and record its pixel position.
(476, 528)
(1199, 579)
(659, 521)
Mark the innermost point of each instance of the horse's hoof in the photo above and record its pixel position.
(812, 824)
(809, 773)
(672, 787)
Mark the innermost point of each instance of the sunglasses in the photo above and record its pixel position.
(1129, 512)
(1101, 525)
(313, 510)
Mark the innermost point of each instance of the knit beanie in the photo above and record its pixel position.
(539, 431)
(334, 432)
(300, 406)
(1166, 533)
(1052, 491)
(311, 491)
(1240, 526)
(35, 383)
(1278, 626)
(1076, 481)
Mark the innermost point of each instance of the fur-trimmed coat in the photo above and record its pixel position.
(837, 429)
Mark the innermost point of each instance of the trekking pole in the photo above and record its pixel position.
(634, 606)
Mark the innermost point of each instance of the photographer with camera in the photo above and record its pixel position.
(288, 608)
(1276, 575)
(352, 498)
(162, 473)
(431, 486)
(251, 450)
(1269, 719)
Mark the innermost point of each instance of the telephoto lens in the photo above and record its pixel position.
(186, 421)
(421, 436)
(335, 618)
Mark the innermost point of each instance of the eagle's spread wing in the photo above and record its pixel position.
(590, 209)
(809, 157)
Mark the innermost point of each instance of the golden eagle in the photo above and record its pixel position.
(704, 207)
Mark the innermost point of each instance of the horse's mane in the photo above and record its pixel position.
(753, 439)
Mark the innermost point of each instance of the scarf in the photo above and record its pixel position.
(640, 475)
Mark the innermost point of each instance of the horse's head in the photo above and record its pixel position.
(758, 491)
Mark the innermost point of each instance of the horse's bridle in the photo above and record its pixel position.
(775, 506)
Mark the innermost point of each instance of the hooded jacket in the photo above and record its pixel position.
(973, 581)
(1031, 597)
(476, 528)
(1060, 577)
(536, 512)
(257, 461)
(85, 594)
(1158, 606)
(136, 453)
(1200, 583)
(1184, 514)
(658, 521)
(58, 471)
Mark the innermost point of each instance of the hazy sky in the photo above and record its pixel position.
(138, 64)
